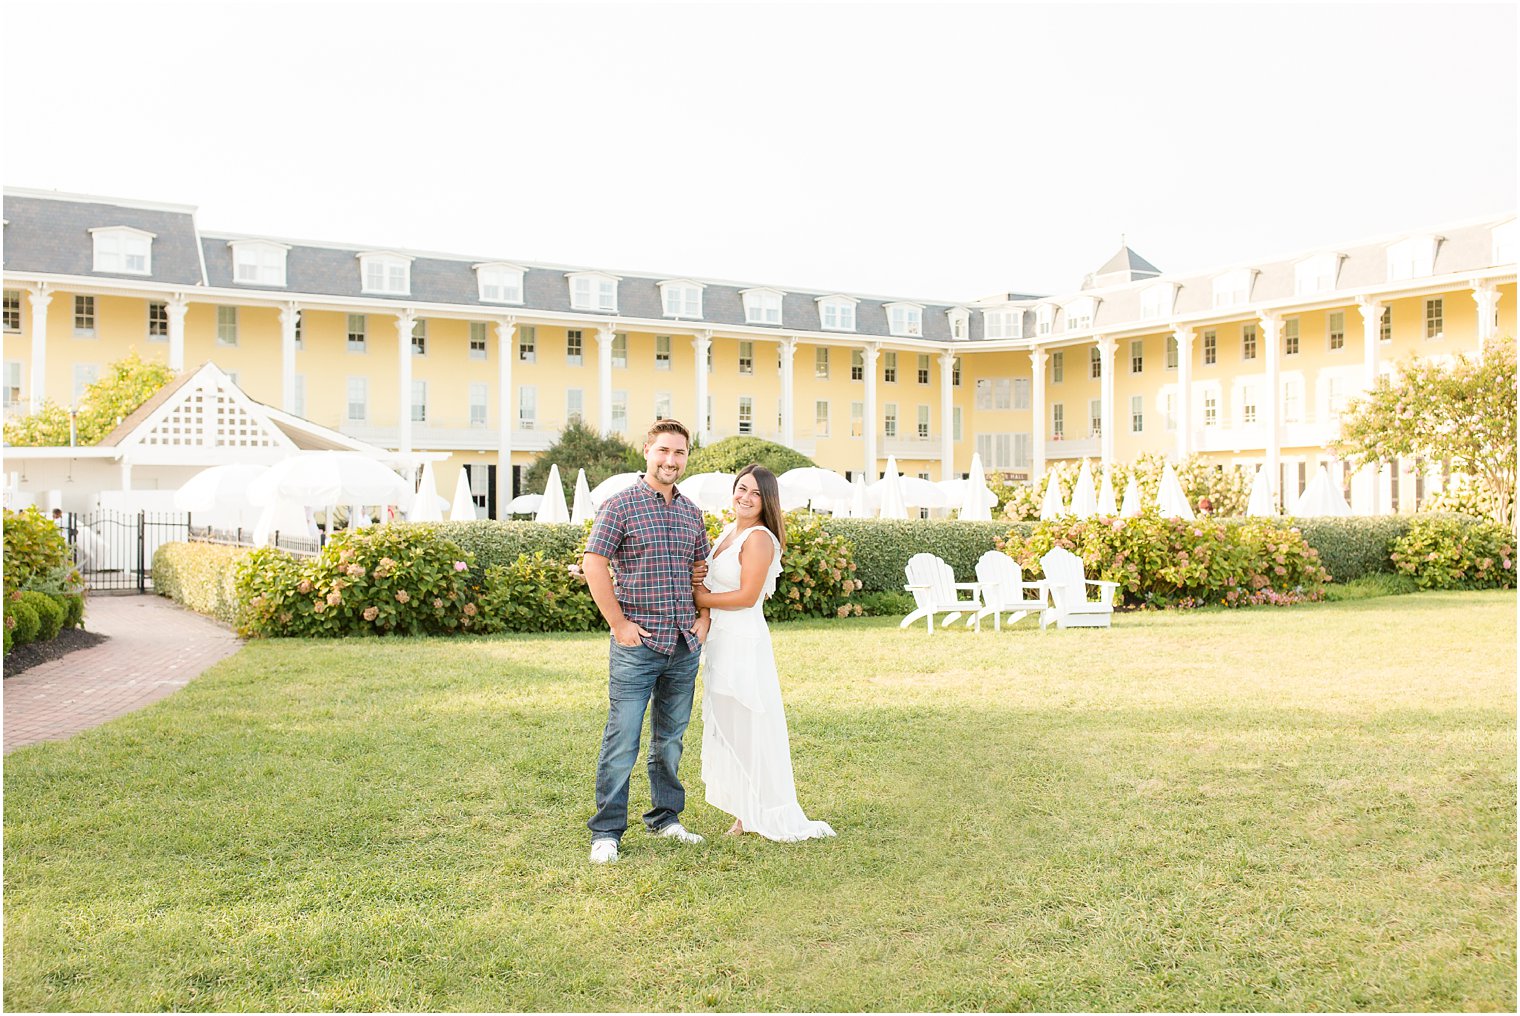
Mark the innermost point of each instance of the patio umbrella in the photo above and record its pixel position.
(956, 491)
(427, 506)
(581, 510)
(224, 486)
(463, 508)
(285, 517)
(1321, 497)
(813, 483)
(1260, 501)
(1171, 500)
(888, 492)
(1054, 505)
(977, 501)
(318, 479)
(1084, 500)
(552, 508)
(1131, 505)
(1106, 495)
(611, 486)
(524, 504)
(860, 498)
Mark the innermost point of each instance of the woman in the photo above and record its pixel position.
(746, 755)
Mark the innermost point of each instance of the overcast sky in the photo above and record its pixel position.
(945, 152)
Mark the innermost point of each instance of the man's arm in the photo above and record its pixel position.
(599, 581)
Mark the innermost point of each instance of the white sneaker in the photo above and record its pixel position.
(604, 851)
(677, 831)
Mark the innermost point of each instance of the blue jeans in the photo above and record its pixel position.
(639, 674)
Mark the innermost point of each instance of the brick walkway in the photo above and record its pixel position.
(154, 648)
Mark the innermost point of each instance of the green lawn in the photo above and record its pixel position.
(1305, 808)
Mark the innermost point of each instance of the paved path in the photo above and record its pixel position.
(154, 648)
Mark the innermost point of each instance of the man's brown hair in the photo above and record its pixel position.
(667, 427)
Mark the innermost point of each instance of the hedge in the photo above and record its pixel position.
(497, 544)
(883, 546)
(200, 576)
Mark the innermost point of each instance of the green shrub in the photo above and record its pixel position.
(74, 618)
(818, 572)
(497, 544)
(200, 576)
(67, 585)
(405, 580)
(579, 446)
(1164, 562)
(1456, 552)
(50, 613)
(33, 547)
(886, 604)
(881, 547)
(734, 453)
(537, 594)
(21, 619)
(9, 638)
(1350, 548)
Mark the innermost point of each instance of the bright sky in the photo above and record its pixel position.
(943, 152)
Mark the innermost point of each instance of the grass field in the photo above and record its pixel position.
(1303, 808)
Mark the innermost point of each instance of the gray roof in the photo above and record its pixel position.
(1126, 260)
(53, 236)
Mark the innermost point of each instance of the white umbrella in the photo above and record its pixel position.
(427, 506)
(977, 501)
(281, 517)
(920, 493)
(860, 498)
(956, 492)
(552, 508)
(611, 486)
(1054, 505)
(224, 486)
(463, 508)
(712, 492)
(581, 510)
(1084, 499)
(813, 483)
(1131, 505)
(1170, 498)
(318, 479)
(890, 492)
(1321, 497)
(524, 504)
(1106, 495)
(1260, 502)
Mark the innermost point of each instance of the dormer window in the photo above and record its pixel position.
(960, 322)
(837, 313)
(1157, 301)
(123, 250)
(1317, 274)
(1412, 258)
(593, 291)
(1079, 313)
(499, 282)
(1004, 324)
(762, 306)
(386, 273)
(1044, 318)
(258, 262)
(681, 298)
(1233, 288)
(905, 319)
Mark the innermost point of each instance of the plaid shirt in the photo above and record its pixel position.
(652, 546)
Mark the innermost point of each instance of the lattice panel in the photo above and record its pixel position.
(182, 427)
(210, 417)
(235, 427)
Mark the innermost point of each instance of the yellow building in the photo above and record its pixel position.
(487, 359)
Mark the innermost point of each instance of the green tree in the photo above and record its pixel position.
(127, 384)
(734, 453)
(1461, 413)
(580, 447)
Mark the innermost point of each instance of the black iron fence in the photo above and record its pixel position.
(114, 549)
(244, 538)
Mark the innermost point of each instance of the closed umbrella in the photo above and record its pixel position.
(860, 498)
(977, 501)
(890, 494)
(427, 506)
(552, 508)
(611, 486)
(1084, 499)
(1260, 502)
(1321, 498)
(1130, 507)
(463, 508)
(1106, 495)
(581, 510)
(1054, 505)
(1170, 498)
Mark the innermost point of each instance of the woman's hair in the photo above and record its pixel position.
(770, 498)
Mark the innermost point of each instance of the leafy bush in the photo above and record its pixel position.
(21, 620)
(881, 547)
(127, 384)
(1163, 562)
(387, 579)
(33, 547)
(1356, 546)
(1454, 552)
(200, 576)
(818, 571)
(497, 544)
(580, 447)
(66, 584)
(50, 613)
(886, 604)
(734, 453)
(537, 594)
(1462, 495)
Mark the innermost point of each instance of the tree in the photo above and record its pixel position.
(127, 384)
(734, 453)
(1462, 413)
(580, 447)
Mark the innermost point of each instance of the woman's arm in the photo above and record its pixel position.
(754, 561)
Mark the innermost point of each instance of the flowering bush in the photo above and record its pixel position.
(817, 570)
(377, 581)
(536, 594)
(1228, 488)
(1462, 495)
(1165, 562)
(1452, 552)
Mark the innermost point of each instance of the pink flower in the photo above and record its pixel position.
(319, 606)
(304, 586)
(334, 598)
(470, 610)
(402, 596)
(461, 566)
(437, 603)
(370, 613)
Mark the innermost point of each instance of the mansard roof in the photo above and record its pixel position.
(51, 235)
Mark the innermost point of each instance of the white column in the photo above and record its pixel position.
(1106, 348)
(1037, 360)
(870, 355)
(506, 352)
(702, 344)
(1486, 296)
(290, 317)
(1271, 337)
(1372, 328)
(604, 338)
(1184, 337)
(404, 324)
(788, 348)
(947, 417)
(40, 297)
(176, 306)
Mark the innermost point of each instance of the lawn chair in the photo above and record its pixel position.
(1067, 587)
(1004, 590)
(935, 591)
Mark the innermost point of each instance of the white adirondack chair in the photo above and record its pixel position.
(935, 591)
(1004, 589)
(1067, 586)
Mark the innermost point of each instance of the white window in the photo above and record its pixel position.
(662, 404)
(499, 283)
(298, 394)
(1044, 318)
(1248, 404)
(575, 347)
(1169, 406)
(1095, 361)
(1210, 409)
(1290, 336)
(1137, 356)
(226, 326)
(955, 423)
(620, 349)
(1137, 414)
(1248, 342)
(123, 250)
(1317, 274)
(357, 325)
(478, 340)
(836, 313)
(1095, 417)
(527, 343)
(1156, 301)
(527, 407)
(662, 353)
(1435, 326)
(762, 306)
(1004, 324)
(84, 316)
(386, 273)
(1336, 393)
(1023, 451)
(889, 367)
(923, 423)
(1057, 420)
(857, 419)
(1057, 367)
(746, 415)
(820, 418)
(746, 358)
(889, 427)
(258, 262)
(1079, 314)
(1172, 352)
(478, 398)
(419, 401)
(13, 310)
(419, 337)
(620, 412)
(1210, 346)
(1233, 288)
(923, 368)
(593, 291)
(1021, 387)
(681, 299)
(1292, 399)
(955, 372)
(993, 393)
(960, 322)
(158, 321)
(358, 399)
(857, 365)
(1335, 329)
(12, 383)
(575, 405)
(1412, 258)
(821, 362)
(905, 319)
(85, 374)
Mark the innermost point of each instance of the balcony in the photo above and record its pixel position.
(1067, 448)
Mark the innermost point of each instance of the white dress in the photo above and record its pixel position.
(746, 754)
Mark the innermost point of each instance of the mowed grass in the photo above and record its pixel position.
(1305, 809)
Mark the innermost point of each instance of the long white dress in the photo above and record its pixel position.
(746, 754)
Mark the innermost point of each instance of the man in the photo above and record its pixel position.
(653, 536)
